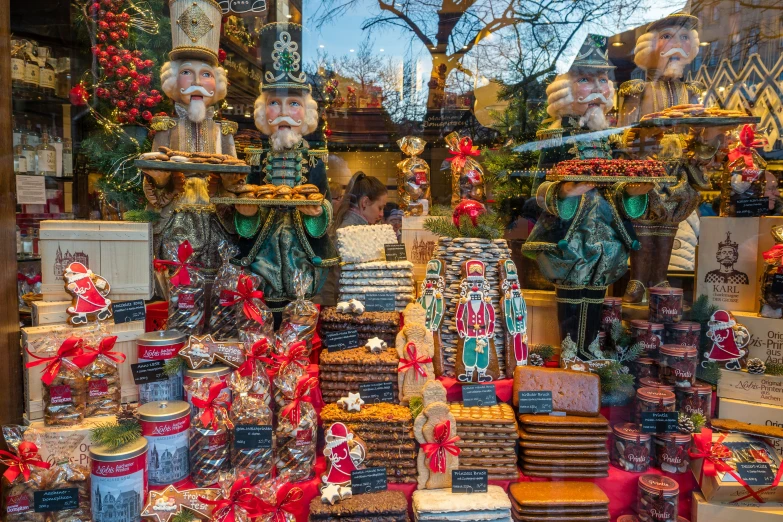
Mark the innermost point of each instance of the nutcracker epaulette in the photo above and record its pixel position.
(228, 127)
(162, 123)
(253, 155)
(695, 87)
(548, 134)
(632, 88)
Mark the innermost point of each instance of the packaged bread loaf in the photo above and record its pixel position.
(253, 443)
(25, 475)
(64, 384)
(100, 367)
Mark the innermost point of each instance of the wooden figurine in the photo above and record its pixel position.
(435, 429)
(514, 310)
(434, 305)
(415, 347)
(476, 356)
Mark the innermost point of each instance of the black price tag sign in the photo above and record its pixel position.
(55, 500)
(150, 371)
(469, 481)
(368, 480)
(756, 473)
(127, 311)
(345, 340)
(380, 302)
(250, 436)
(777, 283)
(659, 422)
(751, 207)
(374, 392)
(535, 401)
(395, 252)
(479, 395)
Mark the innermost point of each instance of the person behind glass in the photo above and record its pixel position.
(361, 204)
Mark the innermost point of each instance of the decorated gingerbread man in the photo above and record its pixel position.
(435, 429)
(415, 347)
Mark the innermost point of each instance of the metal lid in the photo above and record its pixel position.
(641, 323)
(613, 300)
(687, 326)
(656, 395)
(216, 370)
(666, 291)
(158, 411)
(679, 438)
(627, 518)
(161, 338)
(659, 484)
(699, 388)
(645, 360)
(128, 451)
(652, 382)
(630, 431)
(678, 351)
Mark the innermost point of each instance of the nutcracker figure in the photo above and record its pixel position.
(89, 293)
(515, 316)
(728, 340)
(475, 326)
(276, 243)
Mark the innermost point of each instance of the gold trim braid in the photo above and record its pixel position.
(162, 123)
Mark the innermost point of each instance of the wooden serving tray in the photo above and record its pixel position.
(191, 167)
(698, 121)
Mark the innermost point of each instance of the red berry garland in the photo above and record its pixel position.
(598, 168)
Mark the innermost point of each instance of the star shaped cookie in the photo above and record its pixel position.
(376, 345)
(353, 402)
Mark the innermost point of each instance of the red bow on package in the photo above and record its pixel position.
(465, 149)
(774, 256)
(104, 348)
(181, 276)
(258, 352)
(208, 405)
(292, 410)
(714, 455)
(414, 361)
(748, 143)
(436, 451)
(245, 293)
(241, 496)
(71, 347)
(29, 280)
(20, 464)
(295, 355)
(284, 506)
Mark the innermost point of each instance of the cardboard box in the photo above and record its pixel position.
(419, 244)
(57, 443)
(734, 285)
(763, 414)
(703, 511)
(766, 336)
(50, 312)
(744, 386)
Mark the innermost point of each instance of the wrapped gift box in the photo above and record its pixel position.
(56, 443)
(703, 511)
(744, 386)
(762, 414)
(766, 336)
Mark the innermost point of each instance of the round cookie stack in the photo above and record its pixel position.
(454, 252)
(488, 439)
(342, 372)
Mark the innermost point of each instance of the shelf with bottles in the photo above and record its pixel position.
(38, 75)
(42, 152)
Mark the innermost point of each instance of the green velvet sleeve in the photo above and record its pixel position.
(247, 226)
(566, 207)
(316, 226)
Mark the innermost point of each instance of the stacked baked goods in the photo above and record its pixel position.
(343, 371)
(441, 505)
(567, 446)
(179, 156)
(383, 325)
(387, 431)
(558, 502)
(307, 192)
(488, 439)
(383, 506)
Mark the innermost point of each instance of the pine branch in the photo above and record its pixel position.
(142, 216)
(710, 374)
(115, 435)
(441, 210)
(441, 227)
(183, 516)
(774, 368)
(173, 366)
(614, 376)
(633, 353)
(702, 310)
(545, 351)
(698, 421)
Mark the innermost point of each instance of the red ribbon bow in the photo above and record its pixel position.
(436, 451)
(464, 150)
(284, 506)
(745, 147)
(292, 410)
(774, 256)
(295, 355)
(181, 276)
(71, 347)
(104, 348)
(208, 406)
(257, 352)
(20, 464)
(245, 293)
(414, 361)
(29, 280)
(241, 496)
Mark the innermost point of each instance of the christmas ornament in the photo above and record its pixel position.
(756, 366)
(89, 293)
(79, 95)
(535, 360)
(472, 209)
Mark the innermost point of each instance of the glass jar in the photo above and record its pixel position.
(695, 399)
(611, 312)
(671, 452)
(644, 367)
(677, 365)
(653, 399)
(654, 382)
(630, 448)
(649, 334)
(657, 499)
(665, 305)
(684, 333)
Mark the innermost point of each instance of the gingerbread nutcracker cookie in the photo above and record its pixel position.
(434, 306)
(512, 305)
(89, 293)
(435, 429)
(475, 320)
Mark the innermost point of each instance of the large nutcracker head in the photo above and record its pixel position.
(192, 77)
(586, 91)
(285, 111)
(668, 46)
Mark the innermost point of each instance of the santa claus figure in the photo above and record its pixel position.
(89, 292)
(345, 453)
(728, 340)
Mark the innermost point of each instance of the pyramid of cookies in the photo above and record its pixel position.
(343, 371)
(488, 439)
(558, 502)
(384, 325)
(382, 506)
(387, 431)
(441, 505)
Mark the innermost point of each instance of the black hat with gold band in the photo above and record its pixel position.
(676, 20)
(594, 54)
(195, 30)
(281, 63)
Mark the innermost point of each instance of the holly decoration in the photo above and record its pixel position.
(79, 95)
(468, 207)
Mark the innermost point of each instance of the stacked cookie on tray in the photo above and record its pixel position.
(383, 506)
(558, 502)
(441, 505)
(383, 325)
(343, 371)
(488, 438)
(387, 431)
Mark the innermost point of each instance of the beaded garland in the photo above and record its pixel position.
(609, 171)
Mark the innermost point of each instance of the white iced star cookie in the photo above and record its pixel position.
(330, 494)
(353, 402)
(345, 492)
(376, 345)
(356, 307)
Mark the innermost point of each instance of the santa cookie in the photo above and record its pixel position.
(345, 453)
(415, 347)
(89, 293)
(435, 429)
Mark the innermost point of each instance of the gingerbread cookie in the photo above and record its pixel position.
(434, 304)
(415, 347)
(435, 429)
(514, 310)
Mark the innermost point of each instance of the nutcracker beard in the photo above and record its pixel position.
(594, 118)
(197, 110)
(284, 139)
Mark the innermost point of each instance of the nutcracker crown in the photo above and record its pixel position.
(281, 51)
(195, 30)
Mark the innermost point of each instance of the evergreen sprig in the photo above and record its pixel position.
(441, 210)
(441, 227)
(545, 351)
(698, 421)
(183, 516)
(142, 216)
(488, 226)
(416, 404)
(774, 368)
(709, 372)
(116, 435)
(614, 376)
(173, 366)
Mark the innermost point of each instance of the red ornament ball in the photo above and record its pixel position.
(122, 71)
(470, 208)
(79, 95)
(147, 115)
(221, 55)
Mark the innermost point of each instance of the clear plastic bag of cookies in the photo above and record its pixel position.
(187, 295)
(467, 174)
(252, 446)
(251, 314)
(64, 383)
(281, 500)
(100, 365)
(26, 474)
(257, 360)
(296, 434)
(300, 316)
(222, 324)
(289, 364)
(413, 180)
(210, 431)
(245, 504)
(66, 475)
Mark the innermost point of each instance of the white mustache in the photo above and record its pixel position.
(592, 96)
(198, 89)
(285, 119)
(675, 50)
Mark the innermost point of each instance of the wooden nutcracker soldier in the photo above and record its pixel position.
(431, 299)
(512, 303)
(475, 326)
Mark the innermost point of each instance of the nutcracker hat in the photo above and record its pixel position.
(195, 30)
(434, 268)
(509, 269)
(722, 319)
(594, 54)
(474, 269)
(281, 57)
(76, 271)
(684, 20)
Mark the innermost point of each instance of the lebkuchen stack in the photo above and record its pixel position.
(488, 438)
(342, 372)
(383, 325)
(570, 446)
(558, 502)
